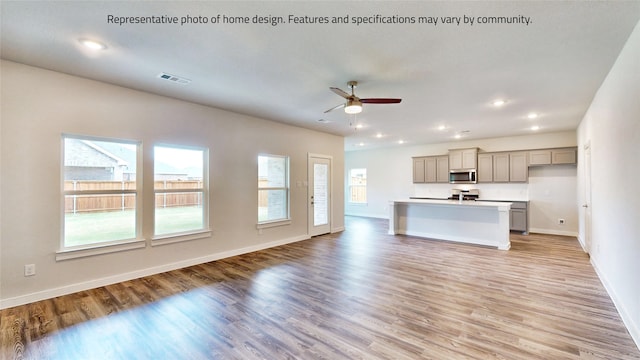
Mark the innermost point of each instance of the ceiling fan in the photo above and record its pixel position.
(354, 103)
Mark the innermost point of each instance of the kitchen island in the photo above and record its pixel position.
(475, 222)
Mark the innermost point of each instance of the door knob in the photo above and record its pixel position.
(585, 206)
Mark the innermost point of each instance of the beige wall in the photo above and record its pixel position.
(39, 105)
(611, 128)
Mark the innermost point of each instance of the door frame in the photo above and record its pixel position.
(310, 157)
(586, 207)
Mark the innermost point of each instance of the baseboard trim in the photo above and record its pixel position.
(92, 284)
(337, 229)
(629, 322)
(373, 216)
(553, 232)
(582, 243)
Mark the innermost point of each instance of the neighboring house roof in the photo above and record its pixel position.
(124, 152)
(84, 153)
(119, 161)
(105, 153)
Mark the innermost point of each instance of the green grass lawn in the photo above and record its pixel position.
(95, 227)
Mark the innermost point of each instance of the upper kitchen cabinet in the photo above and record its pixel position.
(418, 170)
(431, 169)
(503, 167)
(519, 166)
(540, 157)
(485, 168)
(552, 156)
(463, 159)
(563, 156)
(442, 166)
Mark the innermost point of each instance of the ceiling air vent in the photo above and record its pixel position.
(173, 78)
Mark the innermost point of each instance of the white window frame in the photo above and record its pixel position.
(71, 252)
(351, 185)
(287, 188)
(205, 231)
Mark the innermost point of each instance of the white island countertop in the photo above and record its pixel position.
(454, 202)
(476, 222)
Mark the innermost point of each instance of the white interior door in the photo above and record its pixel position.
(587, 198)
(319, 195)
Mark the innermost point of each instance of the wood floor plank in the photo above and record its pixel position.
(359, 294)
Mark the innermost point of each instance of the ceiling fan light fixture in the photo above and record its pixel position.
(353, 107)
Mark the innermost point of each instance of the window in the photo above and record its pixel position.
(101, 193)
(273, 188)
(358, 186)
(180, 190)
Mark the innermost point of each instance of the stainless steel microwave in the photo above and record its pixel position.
(466, 176)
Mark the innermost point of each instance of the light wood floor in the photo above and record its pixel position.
(360, 294)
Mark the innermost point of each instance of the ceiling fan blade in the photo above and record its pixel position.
(380, 101)
(341, 92)
(335, 107)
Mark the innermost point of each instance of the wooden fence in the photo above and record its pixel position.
(358, 193)
(117, 202)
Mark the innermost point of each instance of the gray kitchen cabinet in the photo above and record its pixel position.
(442, 169)
(518, 217)
(418, 170)
(485, 168)
(463, 158)
(431, 169)
(501, 167)
(540, 157)
(519, 166)
(552, 156)
(563, 156)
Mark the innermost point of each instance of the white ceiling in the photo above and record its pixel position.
(446, 74)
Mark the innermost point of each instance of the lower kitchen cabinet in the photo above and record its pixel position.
(518, 217)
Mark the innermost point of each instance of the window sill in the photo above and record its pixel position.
(270, 224)
(357, 204)
(180, 237)
(99, 249)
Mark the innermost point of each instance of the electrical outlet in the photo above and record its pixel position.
(560, 221)
(29, 269)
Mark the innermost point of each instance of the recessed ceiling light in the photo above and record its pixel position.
(359, 126)
(499, 102)
(535, 128)
(532, 115)
(361, 144)
(442, 127)
(458, 136)
(378, 135)
(400, 141)
(92, 44)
